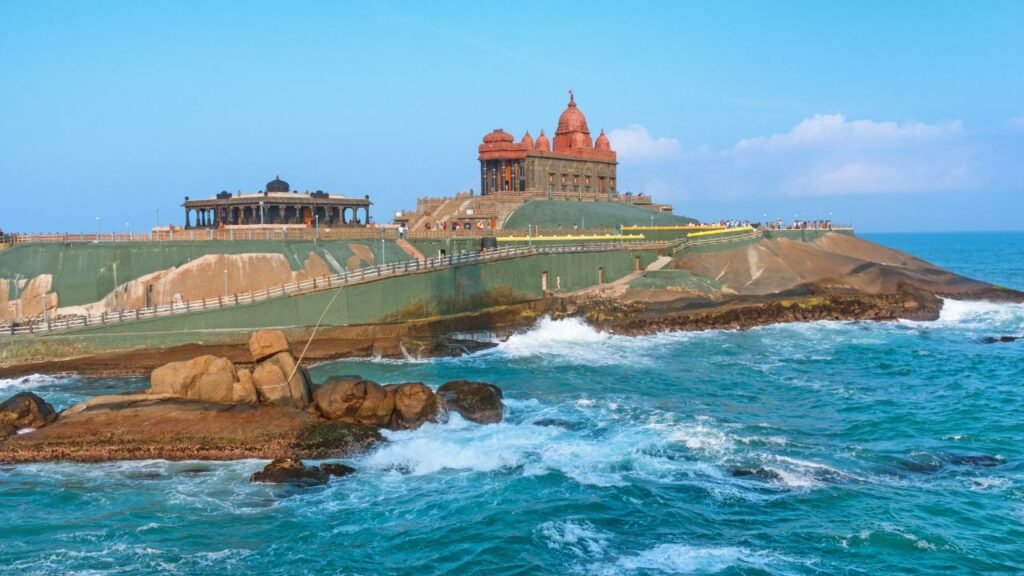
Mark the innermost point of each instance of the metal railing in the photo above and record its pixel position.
(362, 275)
(682, 244)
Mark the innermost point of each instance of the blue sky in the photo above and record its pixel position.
(900, 116)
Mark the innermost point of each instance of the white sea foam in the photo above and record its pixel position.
(686, 559)
(14, 385)
(550, 336)
(579, 538)
(1004, 318)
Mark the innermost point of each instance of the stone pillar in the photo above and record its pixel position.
(188, 218)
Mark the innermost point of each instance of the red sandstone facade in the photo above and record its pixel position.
(573, 165)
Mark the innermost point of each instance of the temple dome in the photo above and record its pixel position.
(527, 140)
(572, 129)
(497, 136)
(602, 142)
(278, 185)
(542, 143)
(572, 120)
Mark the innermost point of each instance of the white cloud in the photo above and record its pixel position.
(635, 144)
(833, 130)
(824, 155)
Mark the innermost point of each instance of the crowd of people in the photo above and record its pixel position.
(778, 224)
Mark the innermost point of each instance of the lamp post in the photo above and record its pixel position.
(383, 254)
(652, 220)
(157, 217)
(262, 215)
(225, 284)
(97, 228)
(128, 225)
(316, 226)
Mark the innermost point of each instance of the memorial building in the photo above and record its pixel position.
(277, 205)
(572, 166)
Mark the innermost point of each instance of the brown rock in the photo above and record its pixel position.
(293, 471)
(357, 401)
(7, 430)
(114, 400)
(26, 410)
(266, 343)
(208, 378)
(476, 401)
(415, 404)
(300, 386)
(270, 385)
(269, 380)
(244, 391)
(131, 428)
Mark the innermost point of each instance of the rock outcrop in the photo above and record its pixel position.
(265, 343)
(206, 378)
(475, 401)
(293, 471)
(24, 410)
(279, 381)
(354, 400)
(276, 378)
(415, 405)
(140, 426)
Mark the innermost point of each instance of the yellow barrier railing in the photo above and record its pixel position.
(675, 227)
(721, 231)
(569, 238)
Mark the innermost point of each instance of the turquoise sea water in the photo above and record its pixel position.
(823, 448)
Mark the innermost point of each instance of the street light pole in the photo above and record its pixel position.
(128, 225)
(97, 228)
(383, 254)
(316, 224)
(225, 283)
(157, 217)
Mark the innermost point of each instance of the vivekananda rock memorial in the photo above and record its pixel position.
(573, 164)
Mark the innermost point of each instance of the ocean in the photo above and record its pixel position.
(820, 448)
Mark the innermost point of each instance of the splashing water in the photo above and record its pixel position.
(822, 448)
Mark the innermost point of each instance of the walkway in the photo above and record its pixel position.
(334, 281)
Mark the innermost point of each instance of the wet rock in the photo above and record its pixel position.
(475, 401)
(266, 343)
(25, 410)
(207, 378)
(979, 460)
(762, 473)
(355, 400)
(554, 423)
(459, 346)
(415, 404)
(1000, 339)
(293, 471)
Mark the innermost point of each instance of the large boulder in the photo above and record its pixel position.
(25, 410)
(273, 385)
(293, 471)
(266, 343)
(478, 402)
(355, 400)
(415, 404)
(207, 378)
(244, 391)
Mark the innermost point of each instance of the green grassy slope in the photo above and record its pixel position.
(552, 213)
